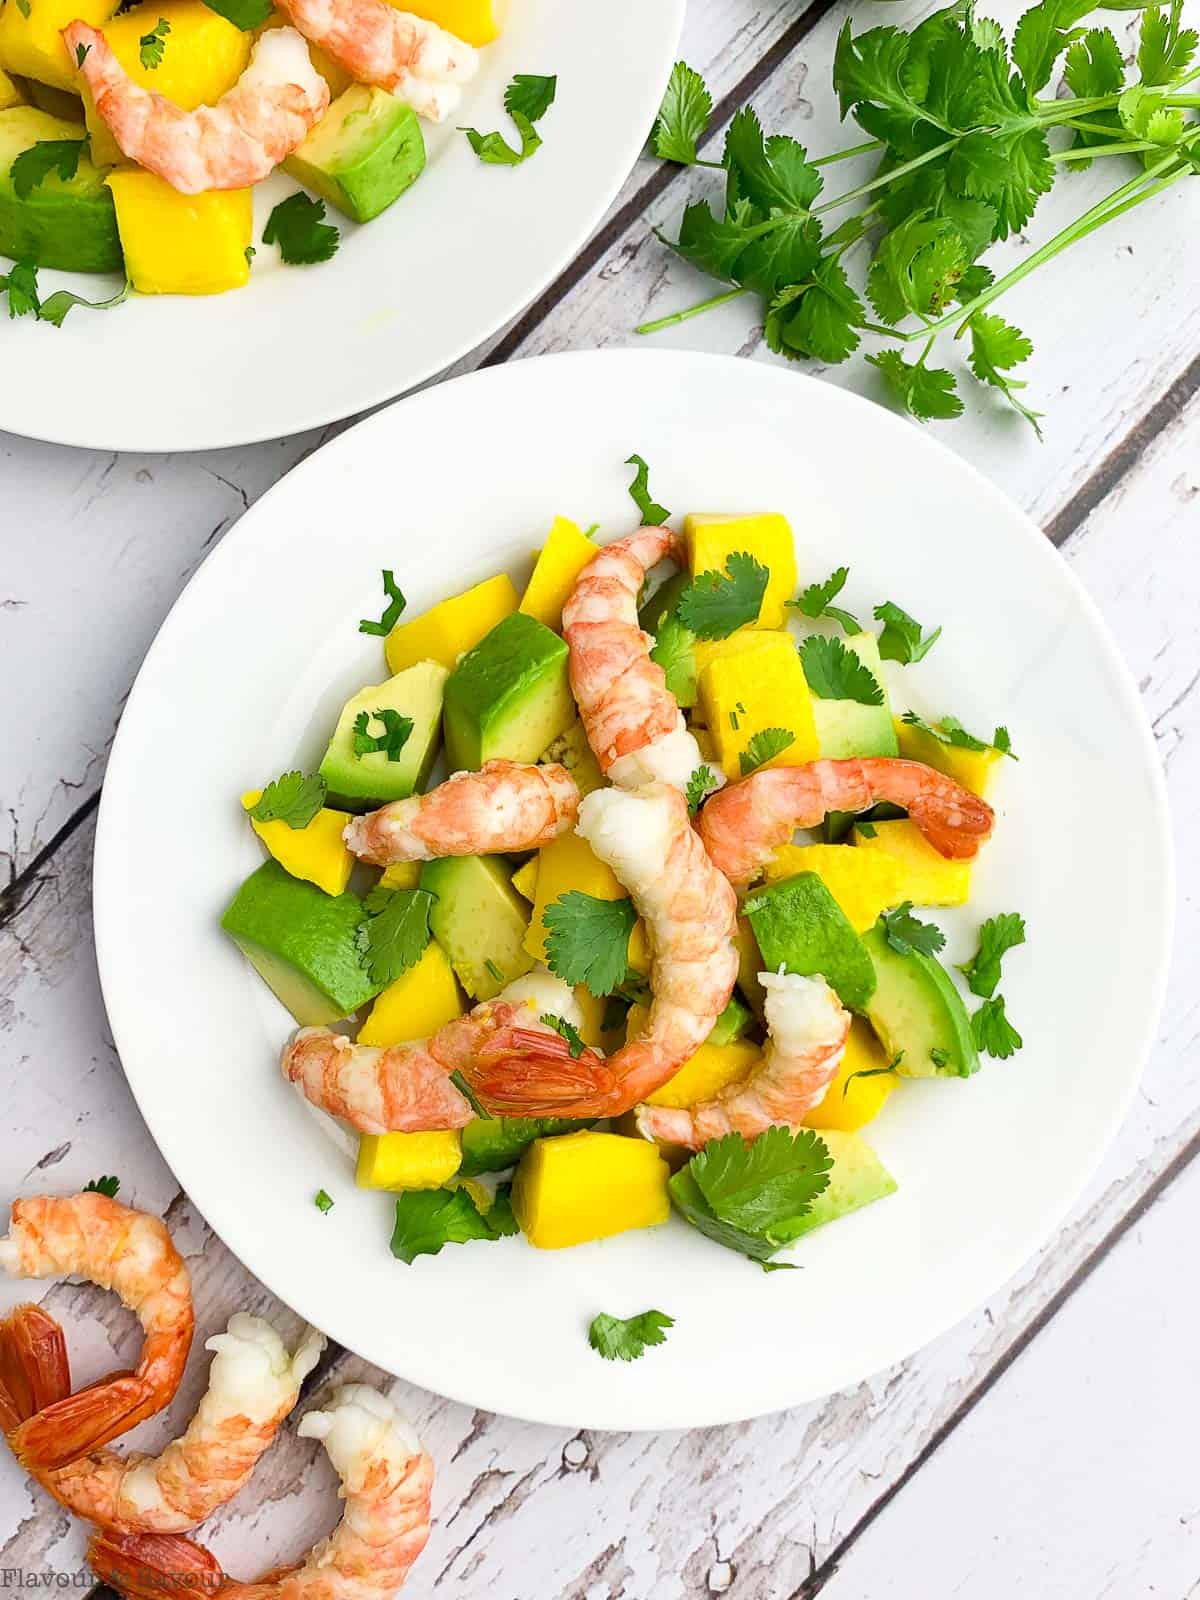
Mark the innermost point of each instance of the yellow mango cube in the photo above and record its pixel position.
(203, 56)
(564, 555)
(315, 853)
(849, 1105)
(10, 94)
(407, 1160)
(759, 687)
(335, 75)
(476, 21)
(444, 631)
(972, 768)
(863, 883)
(713, 1068)
(524, 879)
(567, 863)
(737, 644)
(926, 878)
(31, 42)
(592, 1029)
(181, 243)
(587, 1186)
(400, 875)
(417, 1003)
(712, 539)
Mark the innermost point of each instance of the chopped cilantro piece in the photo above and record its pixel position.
(566, 1030)
(997, 936)
(295, 225)
(293, 797)
(901, 639)
(392, 612)
(627, 1338)
(814, 601)
(700, 785)
(244, 14)
(682, 117)
(428, 1219)
(906, 933)
(993, 1032)
(395, 931)
(527, 98)
(323, 1201)
(949, 730)
(716, 604)
(33, 166)
(105, 1186)
(152, 45)
(836, 673)
(391, 741)
(764, 746)
(587, 940)
(651, 513)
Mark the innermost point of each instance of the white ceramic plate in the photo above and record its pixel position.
(245, 679)
(451, 262)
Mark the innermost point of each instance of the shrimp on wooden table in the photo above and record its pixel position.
(807, 1028)
(406, 1088)
(632, 720)
(386, 1483)
(229, 145)
(91, 1236)
(745, 824)
(253, 1385)
(504, 806)
(417, 61)
(646, 837)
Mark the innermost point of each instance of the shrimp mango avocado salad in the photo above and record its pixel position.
(131, 138)
(563, 980)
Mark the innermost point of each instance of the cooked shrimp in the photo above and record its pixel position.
(230, 145)
(807, 1027)
(645, 836)
(504, 806)
(406, 1088)
(252, 1386)
(419, 62)
(91, 1236)
(386, 1483)
(744, 825)
(632, 720)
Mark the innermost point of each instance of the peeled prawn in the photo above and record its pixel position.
(419, 62)
(504, 806)
(807, 1027)
(91, 1236)
(745, 824)
(646, 837)
(632, 720)
(386, 1483)
(230, 145)
(253, 1385)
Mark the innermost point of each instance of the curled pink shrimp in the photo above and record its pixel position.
(632, 720)
(386, 1483)
(230, 145)
(746, 823)
(504, 806)
(807, 1027)
(416, 60)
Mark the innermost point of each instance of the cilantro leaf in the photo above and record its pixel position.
(392, 612)
(499, 1215)
(21, 283)
(764, 746)
(1165, 51)
(689, 1201)
(152, 45)
(33, 166)
(927, 393)
(530, 95)
(874, 1072)
(997, 936)
(917, 268)
(774, 175)
(323, 1201)
(587, 940)
(567, 1031)
(901, 638)
(756, 1186)
(700, 785)
(819, 318)
(949, 730)
(395, 931)
(23, 6)
(906, 933)
(428, 1219)
(1041, 36)
(295, 225)
(716, 604)
(104, 1186)
(54, 309)
(996, 347)
(527, 98)
(836, 673)
(992, 1032)
(815, 601)
(652, 514)
(627, 1338)
(396, 730)
(244, 14)
(293, 797)
(674, 649)
(682, 117)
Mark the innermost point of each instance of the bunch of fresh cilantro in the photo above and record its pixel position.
(968, 141)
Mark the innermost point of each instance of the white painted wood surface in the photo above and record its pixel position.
(1002, 1458)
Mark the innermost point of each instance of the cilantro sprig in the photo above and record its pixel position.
(992, 1032)
(587, 940)
(700, 785)
(750, 1196)
(764, 746)
(429, 1219)
(950, 731)
(527, 99)
(105, 1186)
(293, 797)
(628, 1338)
(997, 936)
(296, 226)
(836, 673)
(902, 638)
(393, 934)
(20, 284)
(816, 601)
(906, 933)
(566, 1030)
(682, 117)
(716, 604)
(152, 45)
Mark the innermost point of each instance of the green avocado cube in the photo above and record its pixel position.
(62, 222)
(801, 928)
(733, 1022)
(918, 1013)
(361, 780)
(846, 728)
(303, 944)
(479, 920)
(857, 1178)
(365, 151)
(674, 644)
(509, 696)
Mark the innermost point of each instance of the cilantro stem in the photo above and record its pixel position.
(845, 155)
(1085, 152)
(887, 177)
(677, 317)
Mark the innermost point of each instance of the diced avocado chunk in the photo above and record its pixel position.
(365, 151)
(479, 920)
(801, 928)
(733, 1022)
(360, 782)
(846, 728)
(572, 750)
(69, 223)
(509, 696)
(498, 1143)
(858, 1177)
(918, 1013)
(674, 645)
(302, 942)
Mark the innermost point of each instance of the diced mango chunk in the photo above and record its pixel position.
(476, 21)
(972, 768)
(863, 883)
(758, 688)
(592, 1029)
(567, 863)
(713, 1068)
(315, 852)
(407, 1160)
(31, 42)
(524, 879)
(587, 1186)
(181, 243)
(400, 875)
(926, 878)
(417, 1003)
(444, 631)
(849, 1105)
(10, 93)
(564, 555)
(712, 539)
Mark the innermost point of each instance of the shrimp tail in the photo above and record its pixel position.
(35, 1371)
(522, 1072)
(62, 1432)
(154, 1566)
